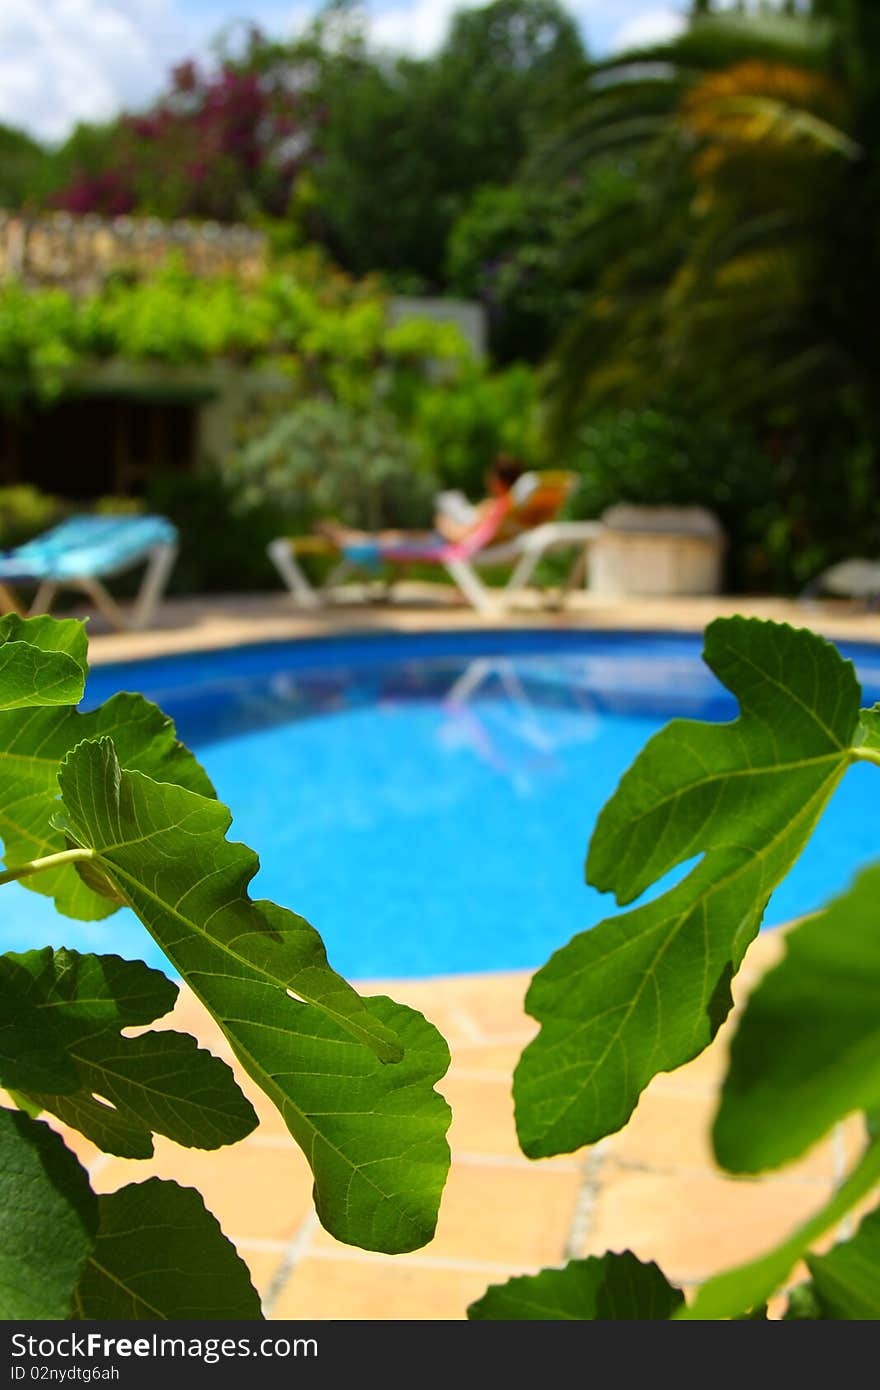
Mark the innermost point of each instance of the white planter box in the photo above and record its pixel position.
(657, 550)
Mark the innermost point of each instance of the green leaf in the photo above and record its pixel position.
(32, 745)
(596, 1289)
(23, 1103)
(67, 635)
(697, 786)
(647, 991)
(164, 1082)
(42, 662)
(846, 1280)
(32, 1054)
(161, 1254)
(72, 996)
(803, 1304)
(66, 1053)
(807, 1050)
(108, 1129)
(869, 729)
(374, 1132)
(48, 1215)
(736, 1291)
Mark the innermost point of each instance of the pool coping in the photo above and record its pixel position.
(215, 622)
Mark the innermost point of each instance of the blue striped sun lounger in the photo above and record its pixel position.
(83, 551)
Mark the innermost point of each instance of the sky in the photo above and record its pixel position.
(63, 61)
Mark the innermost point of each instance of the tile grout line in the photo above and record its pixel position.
(100, 1161)
(293, 1253)
(415, 1260)
(515, 1161)
(690, 1171)
(470, 1029)
(586, 1202)
(520, 1038)
(258, 1244)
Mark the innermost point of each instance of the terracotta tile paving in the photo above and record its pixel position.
(482, 1113)
(318, 1288)
(255, 1191)
(695, 1222)
(652, 1188)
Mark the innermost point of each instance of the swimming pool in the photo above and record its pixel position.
(426, 800)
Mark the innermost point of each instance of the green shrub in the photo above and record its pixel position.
(460, 426)
(331, 332)
(322, 459)
(25, 512)
(222, 543)
(176, 318)
(37, 341)
(112, 505)
(664, 458)
(510, 250)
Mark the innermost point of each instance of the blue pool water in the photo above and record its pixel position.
(426, 801)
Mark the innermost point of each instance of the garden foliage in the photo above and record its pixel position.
(741, 279)
(24, 512)
(323, 134)
(106, 808)
(665, 457)
(698, 226)
(326, 331)
(322, 459)
(343, 413)
(528, 253)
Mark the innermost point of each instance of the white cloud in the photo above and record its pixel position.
(653, 26)
(418, 27)
(67, 60)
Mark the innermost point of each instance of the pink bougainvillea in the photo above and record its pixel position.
(223, 142)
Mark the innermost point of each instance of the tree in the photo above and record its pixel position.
(514, 248)
(406, 143)
(372, 154)
(21, 160)
(509, 64)
(747, 280)
(226, 142)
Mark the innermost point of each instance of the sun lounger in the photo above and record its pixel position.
(855, 578)
(519, 535)
(83, 551)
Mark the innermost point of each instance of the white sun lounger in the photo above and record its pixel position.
(854, 578)
(462, 560)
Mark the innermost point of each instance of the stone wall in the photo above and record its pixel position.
(79, 252)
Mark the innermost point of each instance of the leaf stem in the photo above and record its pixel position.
(49, 861)
(868, 755)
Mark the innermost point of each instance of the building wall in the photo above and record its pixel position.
(466, 314)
